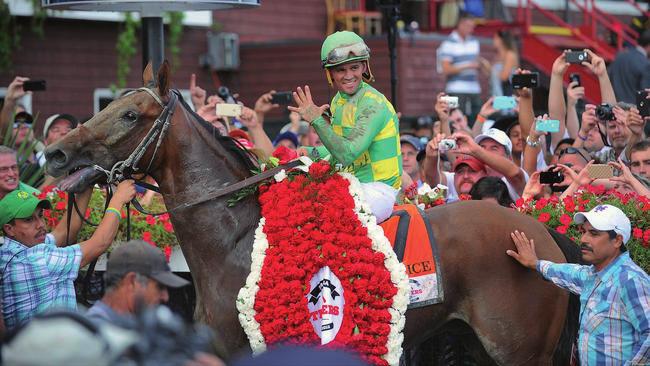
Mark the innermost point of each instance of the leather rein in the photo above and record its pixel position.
(124, 169)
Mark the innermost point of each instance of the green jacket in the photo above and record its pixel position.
(363, 135)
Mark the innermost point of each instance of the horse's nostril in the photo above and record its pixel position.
(56, 158)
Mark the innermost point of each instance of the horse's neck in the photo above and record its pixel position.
(196, 164)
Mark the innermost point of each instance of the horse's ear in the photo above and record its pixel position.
(163, 78)
(147, 75)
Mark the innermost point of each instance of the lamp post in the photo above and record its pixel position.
(391, 11)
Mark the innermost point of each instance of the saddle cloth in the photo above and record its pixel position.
(414, 243)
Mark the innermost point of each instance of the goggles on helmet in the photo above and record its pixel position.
(341, 54)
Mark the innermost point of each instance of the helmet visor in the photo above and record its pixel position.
(342, 54)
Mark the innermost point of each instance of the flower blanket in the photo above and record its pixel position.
(322, 270)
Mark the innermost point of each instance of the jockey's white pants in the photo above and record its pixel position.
(381, 199)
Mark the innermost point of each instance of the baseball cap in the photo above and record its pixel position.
(414, 141)
(470, 161)
(288, 135)
(53, 118)
(423, 122)
(302, 130)
(140, 257)
(605, 218)
(496, 135)
(23, 117)
(19, 204)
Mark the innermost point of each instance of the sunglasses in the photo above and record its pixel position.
(573, 151)
(341, 54)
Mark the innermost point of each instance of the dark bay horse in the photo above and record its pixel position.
(517, 317)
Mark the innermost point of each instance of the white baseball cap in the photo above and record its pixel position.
(496, 135)
(605, 218)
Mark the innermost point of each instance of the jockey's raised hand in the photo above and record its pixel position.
(306, 107)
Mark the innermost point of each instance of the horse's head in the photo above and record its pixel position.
(111, 135)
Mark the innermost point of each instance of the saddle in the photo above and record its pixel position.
(413, 241)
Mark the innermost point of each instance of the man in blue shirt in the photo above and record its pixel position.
(614, 291)
(38, 270)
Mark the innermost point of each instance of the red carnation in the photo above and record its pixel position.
(319, 170)
(519, 203)
(544, 217)
(150, 220)
(540, 204)
(146, 236)
(168, 252)
(637, 233)
(565, 220)
(285, 154)
(562, 229)
(168, 227)
(59, 205)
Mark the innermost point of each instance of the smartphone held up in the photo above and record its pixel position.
(229, 110)
(34, 85)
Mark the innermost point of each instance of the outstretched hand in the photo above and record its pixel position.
(525, 253)
(306, 107)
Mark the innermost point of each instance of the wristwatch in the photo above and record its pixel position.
(532, 143)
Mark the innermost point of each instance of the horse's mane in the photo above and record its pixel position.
(239, 151)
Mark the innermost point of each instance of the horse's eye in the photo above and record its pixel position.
(130, 116)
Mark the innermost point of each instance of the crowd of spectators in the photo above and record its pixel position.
(476, 147)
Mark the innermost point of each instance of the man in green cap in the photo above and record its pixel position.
(37, 270)
(362, 131)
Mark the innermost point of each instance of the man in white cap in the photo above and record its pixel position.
(494, 149)
(614, 292)
(55, 128)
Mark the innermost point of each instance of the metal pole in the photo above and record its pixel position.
(153, 42)
(392, 11)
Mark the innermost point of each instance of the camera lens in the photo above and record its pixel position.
(605, 112)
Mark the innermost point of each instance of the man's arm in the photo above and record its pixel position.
(60, 230)
(635, 295)
(431, 160)
(14, 92)
(371, 118)
(570, 277)
(574, 93)
(507, 168)
(556, 105)
(597, 65)
(258, 135)
(442, 110)
(107, 229)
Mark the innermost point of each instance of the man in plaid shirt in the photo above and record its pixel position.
(37, 269)
(614, 291)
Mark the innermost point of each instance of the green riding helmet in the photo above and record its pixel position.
(342, 47)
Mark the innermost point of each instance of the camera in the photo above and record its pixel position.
(520, 81)
(551, 177)
(451, 101)
(605, 112)
(224, 93)
(447, 144)
(575, 77)
(577, 57)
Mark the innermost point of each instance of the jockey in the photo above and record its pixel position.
(362, 130)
